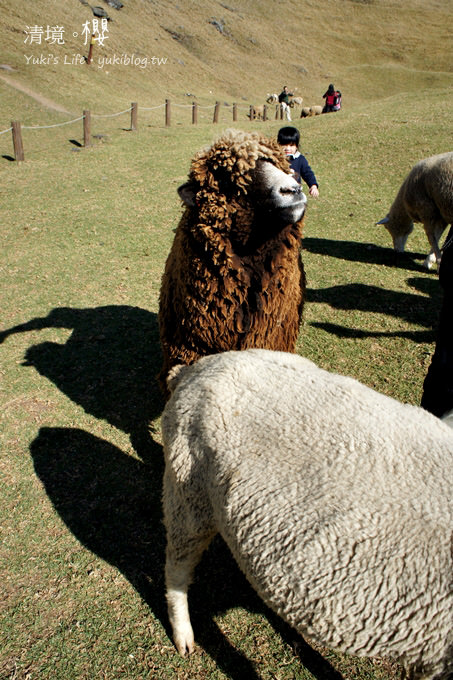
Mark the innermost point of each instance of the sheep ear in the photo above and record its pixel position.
(187, 193)
(384, 220)
(448, 419)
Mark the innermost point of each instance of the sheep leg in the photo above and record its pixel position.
(185, 544)
(178, 577)
(433, 233)
(179, 569)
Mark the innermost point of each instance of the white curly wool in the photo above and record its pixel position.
(336, 502)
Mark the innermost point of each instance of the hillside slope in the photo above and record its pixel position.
(233, 50)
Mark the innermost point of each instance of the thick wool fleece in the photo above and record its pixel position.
(234, 278)
(335, 500)
(426, 196)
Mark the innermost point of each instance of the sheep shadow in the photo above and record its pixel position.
(369, 253)
(108, 365)
(112, 504)
(413, 308)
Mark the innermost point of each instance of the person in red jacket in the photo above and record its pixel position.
(333, 99)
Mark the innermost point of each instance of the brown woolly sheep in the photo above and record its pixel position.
(234, 277)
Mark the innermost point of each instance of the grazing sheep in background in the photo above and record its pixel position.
(336, 502)
(425, 196)
(272, 98)
(296, 101)
(234, 276)
(310, 111)
(258, 112)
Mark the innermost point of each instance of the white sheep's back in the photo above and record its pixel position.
(331, 496)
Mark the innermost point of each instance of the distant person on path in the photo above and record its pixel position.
(438, 386)
(289, 138)
(283, 99)
(333, 99)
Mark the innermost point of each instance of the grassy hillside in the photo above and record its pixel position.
(234, 50)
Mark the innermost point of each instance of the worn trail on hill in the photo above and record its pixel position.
(35, 95)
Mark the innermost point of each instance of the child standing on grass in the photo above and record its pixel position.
(288, 138)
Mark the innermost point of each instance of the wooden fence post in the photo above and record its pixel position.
(194, 113)
(134, 111)
(264, 112)
(86, 128)
(216, 112)
(235, 113)
(90, 51)
(17, 141)
(252, 112)
(167, 113)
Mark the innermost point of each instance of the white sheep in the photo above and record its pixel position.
(308, 111)
(336, 502)
(272, 98)
(315, 110)
(258, 112)
(296, 101)
(425, 196)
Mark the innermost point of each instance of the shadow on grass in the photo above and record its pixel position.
(412, 308)
(108, 365)
(112, 502)
(354, 251)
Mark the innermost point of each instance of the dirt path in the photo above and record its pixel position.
(35, 95)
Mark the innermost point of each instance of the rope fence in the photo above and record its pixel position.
(253, 113)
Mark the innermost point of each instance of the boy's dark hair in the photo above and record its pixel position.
(288, 135)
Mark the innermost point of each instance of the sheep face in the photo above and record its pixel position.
(271, 190)
(398, 231)
(279, 192)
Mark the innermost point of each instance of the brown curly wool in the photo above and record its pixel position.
(234, 277)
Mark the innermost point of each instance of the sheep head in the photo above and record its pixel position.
(399, 230)
(241, 180)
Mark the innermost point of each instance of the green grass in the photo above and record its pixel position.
(85, 235)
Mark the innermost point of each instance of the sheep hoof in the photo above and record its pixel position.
(430, 262)
(184, 641)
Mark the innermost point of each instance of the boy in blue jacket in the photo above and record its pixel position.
(289, 138)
